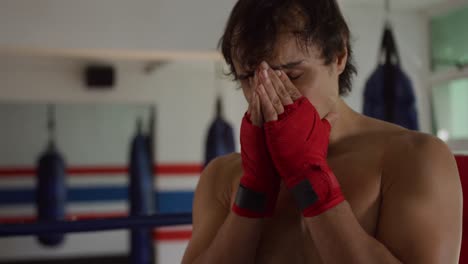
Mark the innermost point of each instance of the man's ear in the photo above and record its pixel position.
(341, 60)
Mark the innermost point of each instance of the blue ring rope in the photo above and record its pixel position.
(39, 228)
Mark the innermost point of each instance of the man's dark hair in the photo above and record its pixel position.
(254, 26)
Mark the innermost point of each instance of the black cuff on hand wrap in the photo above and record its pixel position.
(304, 194)
(250, 200)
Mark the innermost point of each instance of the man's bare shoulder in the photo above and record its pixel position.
(410, 147)
(401, 142)
(420, 184)
(414, 155)
(229, 166)
(406, 149)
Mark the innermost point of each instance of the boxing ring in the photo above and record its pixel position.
(51, 196)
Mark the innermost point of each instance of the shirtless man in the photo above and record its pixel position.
(317, 182)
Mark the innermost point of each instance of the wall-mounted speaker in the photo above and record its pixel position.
(99, 76)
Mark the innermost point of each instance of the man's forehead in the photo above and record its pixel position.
(243, 73)
(287, 64)
(286, 54)
(277, 63)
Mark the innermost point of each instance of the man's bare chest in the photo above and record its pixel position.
(285, 238)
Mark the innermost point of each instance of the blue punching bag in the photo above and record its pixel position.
(389, 94)
(220, 138)
(51, 188)
(141, 198)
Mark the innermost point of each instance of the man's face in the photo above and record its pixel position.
(306, 69)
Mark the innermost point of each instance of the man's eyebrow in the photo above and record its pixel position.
(288, 65)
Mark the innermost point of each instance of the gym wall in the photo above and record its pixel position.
(184, 109)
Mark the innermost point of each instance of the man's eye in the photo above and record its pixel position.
(294, 77)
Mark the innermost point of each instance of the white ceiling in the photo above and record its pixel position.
(151, 29)
(421, 5)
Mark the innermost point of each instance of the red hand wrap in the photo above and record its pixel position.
(259, 175)
(298, 144)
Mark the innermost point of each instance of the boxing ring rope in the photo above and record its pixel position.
(40, 228)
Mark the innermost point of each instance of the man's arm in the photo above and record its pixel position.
(420, 215)
(220, 236)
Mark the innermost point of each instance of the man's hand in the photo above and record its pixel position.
(298, 142)
(259, 185)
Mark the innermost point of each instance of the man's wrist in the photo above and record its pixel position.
(316, 191)
(254, 204)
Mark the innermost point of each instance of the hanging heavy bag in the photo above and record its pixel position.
(220, 137)
(51, 189)
(141, 199)
(388, 94)
(51, 193)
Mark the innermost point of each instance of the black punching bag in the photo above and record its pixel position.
(389, 94)
(141, 198)
(220, 138)
(51, 188)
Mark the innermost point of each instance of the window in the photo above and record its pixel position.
(449, 57)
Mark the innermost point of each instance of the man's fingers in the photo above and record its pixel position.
(259, 109)
(256, 115)
(290, 88)
(270, 88)
(256, 102)
(253, 82)
(269, 112)
(279, 87)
